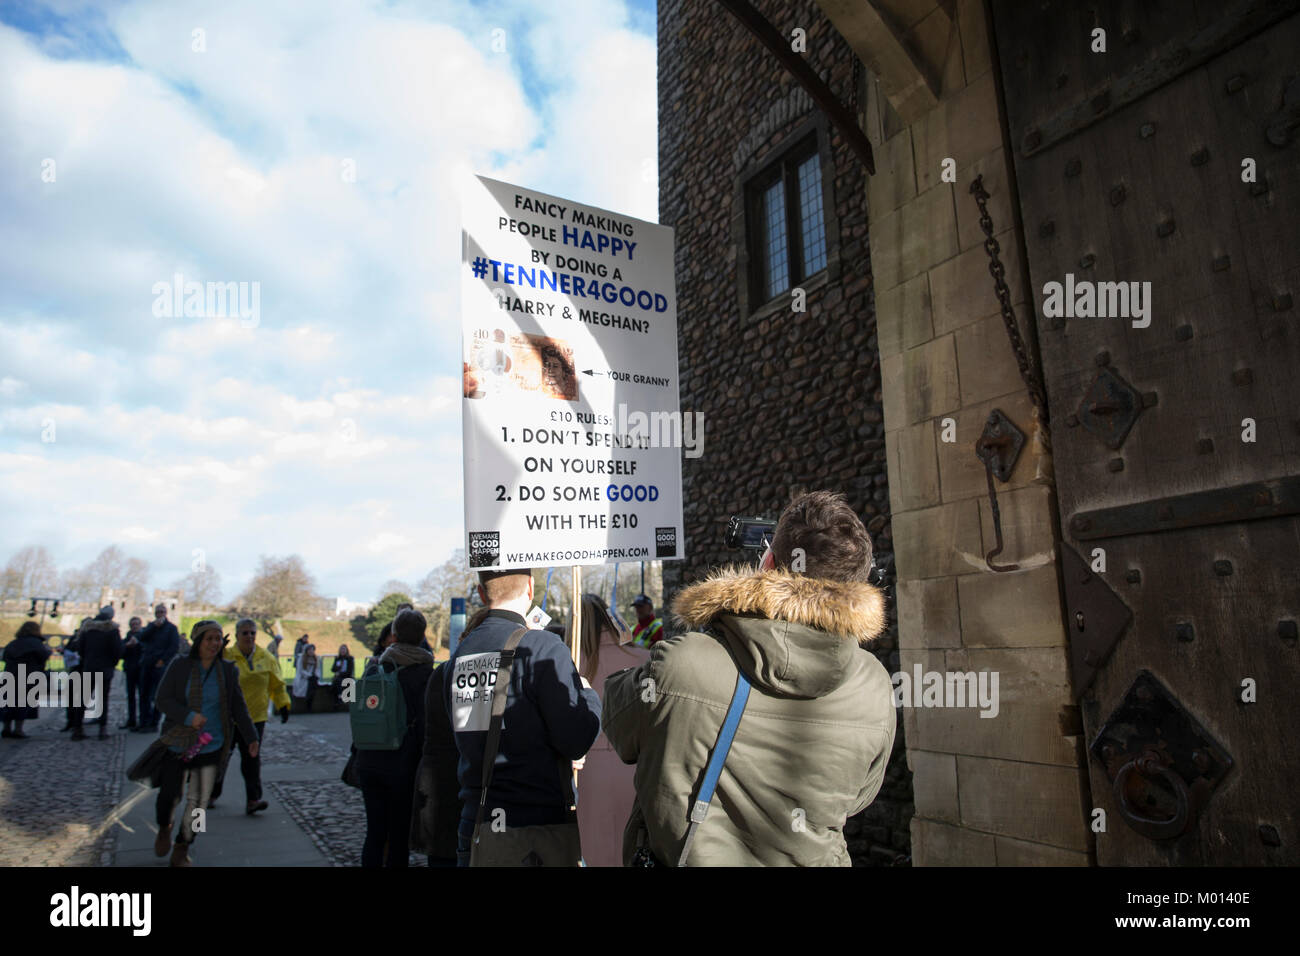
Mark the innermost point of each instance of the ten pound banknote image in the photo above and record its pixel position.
(528, 364)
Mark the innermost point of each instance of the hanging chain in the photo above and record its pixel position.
(857, 80)
(998, 271)
(1036, 393)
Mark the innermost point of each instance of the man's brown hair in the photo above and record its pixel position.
(502, 586)
(835, 543)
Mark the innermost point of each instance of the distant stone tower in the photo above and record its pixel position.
(127, 603)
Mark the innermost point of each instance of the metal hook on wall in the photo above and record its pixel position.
(999, 448)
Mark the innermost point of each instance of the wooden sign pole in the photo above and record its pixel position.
(575, 633)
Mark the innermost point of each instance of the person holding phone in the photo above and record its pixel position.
(160, 644)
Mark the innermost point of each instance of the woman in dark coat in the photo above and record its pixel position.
(198, 695)
(27, 647)
(344, 666)
(388, 776)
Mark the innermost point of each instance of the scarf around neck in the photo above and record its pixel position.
(183, 735)
(404, 655)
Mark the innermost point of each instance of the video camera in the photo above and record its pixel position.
(750, 534)
(755, 534)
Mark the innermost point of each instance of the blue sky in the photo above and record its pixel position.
(313, 149)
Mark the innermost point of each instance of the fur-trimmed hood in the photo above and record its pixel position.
(793, 634)
(849, 609)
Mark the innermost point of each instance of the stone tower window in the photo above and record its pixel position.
(785, 221)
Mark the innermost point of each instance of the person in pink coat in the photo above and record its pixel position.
(605, 791)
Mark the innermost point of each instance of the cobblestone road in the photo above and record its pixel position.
(56, 793)
(331, 812)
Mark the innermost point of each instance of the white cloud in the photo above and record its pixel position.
(335, 419)
(292, 444)
(386, 542)
(299, 411)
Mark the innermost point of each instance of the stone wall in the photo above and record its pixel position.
(1006, 790)
(792, 401)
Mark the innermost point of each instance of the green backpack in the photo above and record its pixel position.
(378, 712)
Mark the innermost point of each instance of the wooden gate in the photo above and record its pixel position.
(1172, 159)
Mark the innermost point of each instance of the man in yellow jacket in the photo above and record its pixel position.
(259, 679)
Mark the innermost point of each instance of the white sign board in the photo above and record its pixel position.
(572, 426)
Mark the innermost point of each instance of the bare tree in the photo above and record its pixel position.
(135, 574)
(433, 594)
(201, 588)
(75, 586)
(393, 586)
(113, 569)
(30, 573)
(107, 570)
(279, 587)
(428, 590)
(439, 618)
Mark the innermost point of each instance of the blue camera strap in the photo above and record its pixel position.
(726, 734)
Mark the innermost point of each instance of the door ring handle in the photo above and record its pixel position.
(1149, 766)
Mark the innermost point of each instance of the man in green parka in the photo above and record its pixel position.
(817, 731)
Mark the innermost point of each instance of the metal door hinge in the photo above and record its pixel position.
(1097, 618)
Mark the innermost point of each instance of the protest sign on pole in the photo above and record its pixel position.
(573, 432)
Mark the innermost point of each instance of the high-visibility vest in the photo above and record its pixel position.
(646, 634)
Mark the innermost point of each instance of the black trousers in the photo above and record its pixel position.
(150, 677)
(464, 841)
(132, 673)
(388, 798)
(249, 766)
(78, 714)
